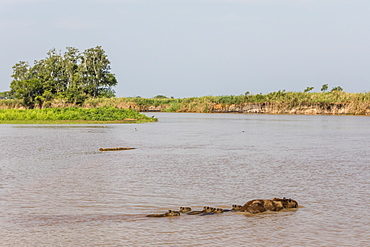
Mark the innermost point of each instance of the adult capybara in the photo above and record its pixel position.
(253, 207)
(268, 205)
(279, 204)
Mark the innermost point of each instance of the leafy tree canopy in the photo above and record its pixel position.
(324, 88)
(308, 89)
(334, 89)
(73, 76)
(160, 97)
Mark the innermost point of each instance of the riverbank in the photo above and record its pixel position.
(330, 103)
(281, 102)
(72, 115)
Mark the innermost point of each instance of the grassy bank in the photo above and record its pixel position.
(72, 115)
(281, 102)
(276, 102)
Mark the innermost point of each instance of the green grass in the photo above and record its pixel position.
(72, 115)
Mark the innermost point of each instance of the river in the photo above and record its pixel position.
(58, 189)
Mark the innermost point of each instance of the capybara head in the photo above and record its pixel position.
(218, 210)
(286, 203)
(236, 207)
(281, 202)
(185, 209)
(292, 203)
(208, 209)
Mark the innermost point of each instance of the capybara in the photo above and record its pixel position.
(286, 203)
(185, 209)
(206, 210)
(268, 205)
(170, 213)
(236, 208)
(218, 210)
(253, 207)
(276, 204)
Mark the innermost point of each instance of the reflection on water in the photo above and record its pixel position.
(56, 188)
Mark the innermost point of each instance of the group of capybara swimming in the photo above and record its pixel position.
(252, 206)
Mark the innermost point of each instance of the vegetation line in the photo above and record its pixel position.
(281, 102)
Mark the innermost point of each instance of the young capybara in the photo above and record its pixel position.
(185, 209)
(236, 208)
(218, 211)
(170, 213)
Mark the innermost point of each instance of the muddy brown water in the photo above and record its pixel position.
(58, 189)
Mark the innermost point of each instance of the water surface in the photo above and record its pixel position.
(58, 189)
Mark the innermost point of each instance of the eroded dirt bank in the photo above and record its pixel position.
(270, 108)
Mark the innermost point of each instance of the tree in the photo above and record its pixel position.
(71, 60)
(324, 88)
(24, 85)
(159, 96)
(72, 76)
(72, 79)
(28, 90)
(95, 72)
(308, 89)
(21, 71)
(338, 89)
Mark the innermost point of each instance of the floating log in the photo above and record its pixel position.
(115, 149)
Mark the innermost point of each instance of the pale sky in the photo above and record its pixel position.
(192, 48)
